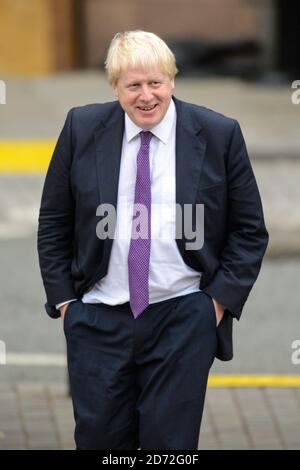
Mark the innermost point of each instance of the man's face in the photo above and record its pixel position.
(144, 95)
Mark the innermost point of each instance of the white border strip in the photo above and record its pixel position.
(25, 359)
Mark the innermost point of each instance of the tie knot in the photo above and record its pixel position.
(145, 137)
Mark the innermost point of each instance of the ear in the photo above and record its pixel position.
(116, 90)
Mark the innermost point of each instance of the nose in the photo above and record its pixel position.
(146, 94)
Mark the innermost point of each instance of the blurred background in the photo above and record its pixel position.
(238, 57)
(247, 38)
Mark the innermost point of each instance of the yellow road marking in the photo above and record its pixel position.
(254, 381)
(25, 156)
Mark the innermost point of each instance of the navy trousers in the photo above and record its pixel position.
(140, 383)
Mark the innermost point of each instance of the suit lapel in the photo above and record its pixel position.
(108, 139)
(190, 151)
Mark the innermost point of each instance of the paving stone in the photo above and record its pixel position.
(285, 405)
(241, 418)
(228, 420)
(257, 418)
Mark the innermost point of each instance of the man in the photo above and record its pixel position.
(145, 315)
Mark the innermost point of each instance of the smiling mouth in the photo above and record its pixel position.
(147, 108)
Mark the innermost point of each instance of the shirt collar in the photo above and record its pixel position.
(162, 130)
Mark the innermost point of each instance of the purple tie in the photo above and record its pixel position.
(139, 250)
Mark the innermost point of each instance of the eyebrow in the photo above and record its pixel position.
(131, 82)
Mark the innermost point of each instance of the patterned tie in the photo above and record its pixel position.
(139, 250)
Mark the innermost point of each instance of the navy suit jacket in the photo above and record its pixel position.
(212, 168)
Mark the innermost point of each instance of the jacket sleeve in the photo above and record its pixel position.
(56, 224)
(247, 237)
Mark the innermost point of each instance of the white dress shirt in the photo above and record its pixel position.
(169, 276)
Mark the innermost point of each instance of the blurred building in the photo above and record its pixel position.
(47, 36)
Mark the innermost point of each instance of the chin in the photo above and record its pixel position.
(149, 122)
(153, 122)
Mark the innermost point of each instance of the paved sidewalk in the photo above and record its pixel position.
(40, 417)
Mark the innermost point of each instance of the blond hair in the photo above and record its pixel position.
(133, 49)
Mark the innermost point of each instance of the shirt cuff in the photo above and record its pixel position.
(57, 306)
